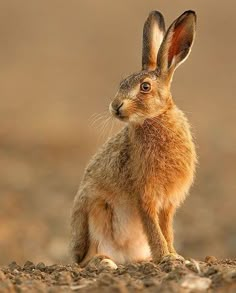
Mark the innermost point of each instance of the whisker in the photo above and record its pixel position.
(104, 128)
(96, 117)
(113, 120)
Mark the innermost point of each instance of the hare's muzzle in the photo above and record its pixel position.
(116, 108)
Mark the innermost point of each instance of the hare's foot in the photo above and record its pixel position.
(172, 257)
(101, 262)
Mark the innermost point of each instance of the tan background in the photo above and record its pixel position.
(60, 62)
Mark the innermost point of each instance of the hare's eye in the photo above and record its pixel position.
(145, 87)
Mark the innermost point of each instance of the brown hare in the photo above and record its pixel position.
(132, 186)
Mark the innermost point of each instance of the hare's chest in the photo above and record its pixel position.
(165, 171)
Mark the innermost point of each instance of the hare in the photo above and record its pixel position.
(132, 186)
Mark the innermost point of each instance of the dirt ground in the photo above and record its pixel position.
(169, 276)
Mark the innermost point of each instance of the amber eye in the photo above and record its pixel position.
(145, 87)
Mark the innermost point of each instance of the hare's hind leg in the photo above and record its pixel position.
(80, 243)
(84, 242)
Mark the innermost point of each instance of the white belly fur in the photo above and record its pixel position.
(127, 241)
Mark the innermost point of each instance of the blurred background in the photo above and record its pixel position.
(60, 63)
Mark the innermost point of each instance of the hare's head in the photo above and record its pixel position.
(146, 94)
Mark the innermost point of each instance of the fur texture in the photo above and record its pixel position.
(132, 186)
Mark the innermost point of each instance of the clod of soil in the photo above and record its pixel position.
(169, 276)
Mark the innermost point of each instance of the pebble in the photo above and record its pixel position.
(107, 264)
(41, 266)
(29, 265)
(211, 271)
(210, 259)
(193, 282)
(13, 265)
(193, 265)
(51, 268)
(136, 277)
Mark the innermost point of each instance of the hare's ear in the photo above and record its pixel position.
(177, 44)
(153, 34)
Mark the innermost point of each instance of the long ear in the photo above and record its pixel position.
(177, 43)
(153, 34)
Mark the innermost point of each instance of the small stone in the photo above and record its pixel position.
(211, 271)
(37, 272)
(13, 265)
(192, 282)
(193, 265)
(166, 266)
(41, 266)
(107, 264)
(150, 268)
(29, 265)
(132, 267)
(210, 259)
(51, 268)
(91, 268)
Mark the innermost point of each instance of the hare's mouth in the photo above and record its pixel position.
(122, 117)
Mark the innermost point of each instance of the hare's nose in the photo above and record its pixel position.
(116, 108)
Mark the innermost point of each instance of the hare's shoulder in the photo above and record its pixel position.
(113, 146)
(110, 158)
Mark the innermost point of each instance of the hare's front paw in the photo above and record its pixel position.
(172, 257)
(102, 262)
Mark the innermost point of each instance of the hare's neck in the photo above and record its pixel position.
(155, 130)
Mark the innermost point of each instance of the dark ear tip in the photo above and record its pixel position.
(190, 13)
(156, 13)
(158, 17)
(186, 16)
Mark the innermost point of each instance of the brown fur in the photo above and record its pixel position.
(131, 188)
(153, 33)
